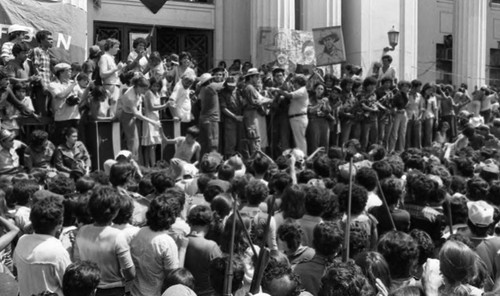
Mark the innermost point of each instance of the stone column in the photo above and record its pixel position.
(321, 13)
(408, 41)
(469, 42)
(269, 13)
(219, 32)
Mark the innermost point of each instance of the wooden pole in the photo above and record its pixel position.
(348, 221)
(450, 221)
(386, 206)
(228, 278)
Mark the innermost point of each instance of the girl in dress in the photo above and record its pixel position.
(151, 134)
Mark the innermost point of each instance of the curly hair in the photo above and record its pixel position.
(38, 138)
(23, 191)
(162, 212)
(327, 238)
(382, 168)
(321, 166)
(279, 280)
(359, 241)
(280, 181)
(367, 177)
(200, 215)
(161, 181)
(494, 193)
(306, 175)
(46, 214)
(358, 202)
(61, 185)
(291, 234)
(126, 209)
(425, 245)
(400, 251)
(293, 202)
(256, 192)
(315, 200)
(374, 266)
(477, 189)
(344, 279)
(104, 204)
(393, 189)
(397, 165)
(465, 166)
(331, 211)
(81, 278)
(419, 187)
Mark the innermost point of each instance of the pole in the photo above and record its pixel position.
(450, 221)
(348, 221)
(228, 278)
(382, 195)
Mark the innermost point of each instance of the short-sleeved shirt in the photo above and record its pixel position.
(154, 253)
(108, 248)
(9, 159)
(185, 151)
(209, 99)
(41, 261)
(143, 62)
(41, 61)
(7, 51)
(107, 63)
(299, 101)
(414, 106)
(16, 70)
(130, 101)
(182, 102)
(62, 111)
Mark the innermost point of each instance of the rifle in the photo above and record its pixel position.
(345, 253)
(264, 253)
(228, 278)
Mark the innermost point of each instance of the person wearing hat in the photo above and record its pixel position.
(17, 33)
(62, 89)
(481, 218)
(209, 114)
(231, 106)
(331, 53)
(252, 101)
(9, 158)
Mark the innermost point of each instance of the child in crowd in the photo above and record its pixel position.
(187, 148)
(9, 114)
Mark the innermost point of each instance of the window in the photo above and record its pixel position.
(494, 67)
(444, 60)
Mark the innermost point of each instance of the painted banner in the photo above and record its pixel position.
(290, 49)
(329, 46)
(66, 19)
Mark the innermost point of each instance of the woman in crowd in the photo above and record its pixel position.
(137, 60)
(72, 157)
(132, 103)
(292, 205)
(154, 252)
(319, 113)
(152, 134)
(105, 245)
(98, 102)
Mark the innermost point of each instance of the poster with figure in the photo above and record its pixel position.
(284, 48)
(329, 46)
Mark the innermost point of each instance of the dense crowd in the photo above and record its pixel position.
(351, 185)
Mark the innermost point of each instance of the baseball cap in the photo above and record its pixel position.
(480, 213)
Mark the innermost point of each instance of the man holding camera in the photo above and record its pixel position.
(64, 102)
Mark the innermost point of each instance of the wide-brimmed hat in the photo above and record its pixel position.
(328, 34)
(17, 28)
(480, 213)
(5, 134)
(251, 72)
(61, 67)
(204, 78)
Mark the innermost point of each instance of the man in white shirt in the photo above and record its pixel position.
(297, 112)
(40, 258)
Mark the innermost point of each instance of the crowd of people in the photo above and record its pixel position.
(353, 185)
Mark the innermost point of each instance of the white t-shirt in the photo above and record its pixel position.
(41, 261)
(107, 63)
(106, 246)
(182, 102)
(154, 254)
(299, 101)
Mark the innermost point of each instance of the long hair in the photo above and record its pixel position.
(457, 264)
(293, 202)
(241, 244)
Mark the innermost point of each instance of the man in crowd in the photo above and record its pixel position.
(232, 110)
(17, 33)
(42, 64)
(209, 114)
(281, 132)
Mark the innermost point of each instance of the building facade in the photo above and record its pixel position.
(448, 41)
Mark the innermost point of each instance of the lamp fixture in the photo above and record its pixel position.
(393, 39)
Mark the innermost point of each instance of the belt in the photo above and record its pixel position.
(297, 115)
